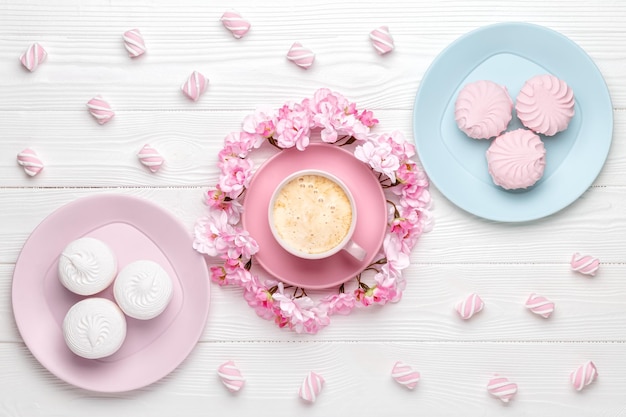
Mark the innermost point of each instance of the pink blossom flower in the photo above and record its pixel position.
(364, 297)
(218, 200)
(397, 252)
(235, 176)
(261, 124)
(239, 145)
(218, 275)
(400, 147)
(341, 303)
(367, 118)
(379, 156)
(213, 233)
(242, 245)
(293, 126)
(259, 298)
(335, 115)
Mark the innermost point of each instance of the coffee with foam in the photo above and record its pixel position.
(312, 214)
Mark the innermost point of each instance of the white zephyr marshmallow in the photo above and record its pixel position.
(143, 289)
(94, 328)
(87, 266)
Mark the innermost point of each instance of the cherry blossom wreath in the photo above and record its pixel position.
(338, 121)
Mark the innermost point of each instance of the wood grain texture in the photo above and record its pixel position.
(503, 263)
(453, 381)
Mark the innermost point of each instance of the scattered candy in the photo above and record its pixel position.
(34, 55)
(134, 43)
(311, 387)
(301, 56)
(404, 375)
(150, 157)
(195, 85)
(501, 388)
(382, 40)
(231, 376)
(30, 161)
(100, 109)
(584, 375)
(235, 23)
(540, 305)
(471, 305)
(585, 264)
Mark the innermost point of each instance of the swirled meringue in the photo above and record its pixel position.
(545, 104)
(94, 328)
(143, 289)
(87, 266)
(516, 159)
(483, 109)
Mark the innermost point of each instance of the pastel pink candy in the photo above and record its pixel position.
(237, 25)
(150, 157)
(382, 40)
(501, 388)
(311, 387)
(30, 161)
(100, 109)
(195, 85)
(584, 375)
(540, 305)
(301, 56)
(404, 375)
(134, 43)
(231, 376)
(469, 306)
(585, 264)
(34, 55)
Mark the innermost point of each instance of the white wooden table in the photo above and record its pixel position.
(502, 262)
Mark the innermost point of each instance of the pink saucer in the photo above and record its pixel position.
(135, 229)
(371, 216)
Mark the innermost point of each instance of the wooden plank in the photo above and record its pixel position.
(587, 309)
(453, 381)
(87, 57)
(77, 152)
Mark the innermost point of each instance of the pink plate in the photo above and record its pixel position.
(135, 229)
(371, 216)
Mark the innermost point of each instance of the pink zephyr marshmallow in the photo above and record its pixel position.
(501, 388)
(585, 264)
(100, 109)
(584, 375)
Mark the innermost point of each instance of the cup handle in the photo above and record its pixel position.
(355, 250)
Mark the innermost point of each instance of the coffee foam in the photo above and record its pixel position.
(312, 214)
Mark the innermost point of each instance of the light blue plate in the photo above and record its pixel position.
(509, 54)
